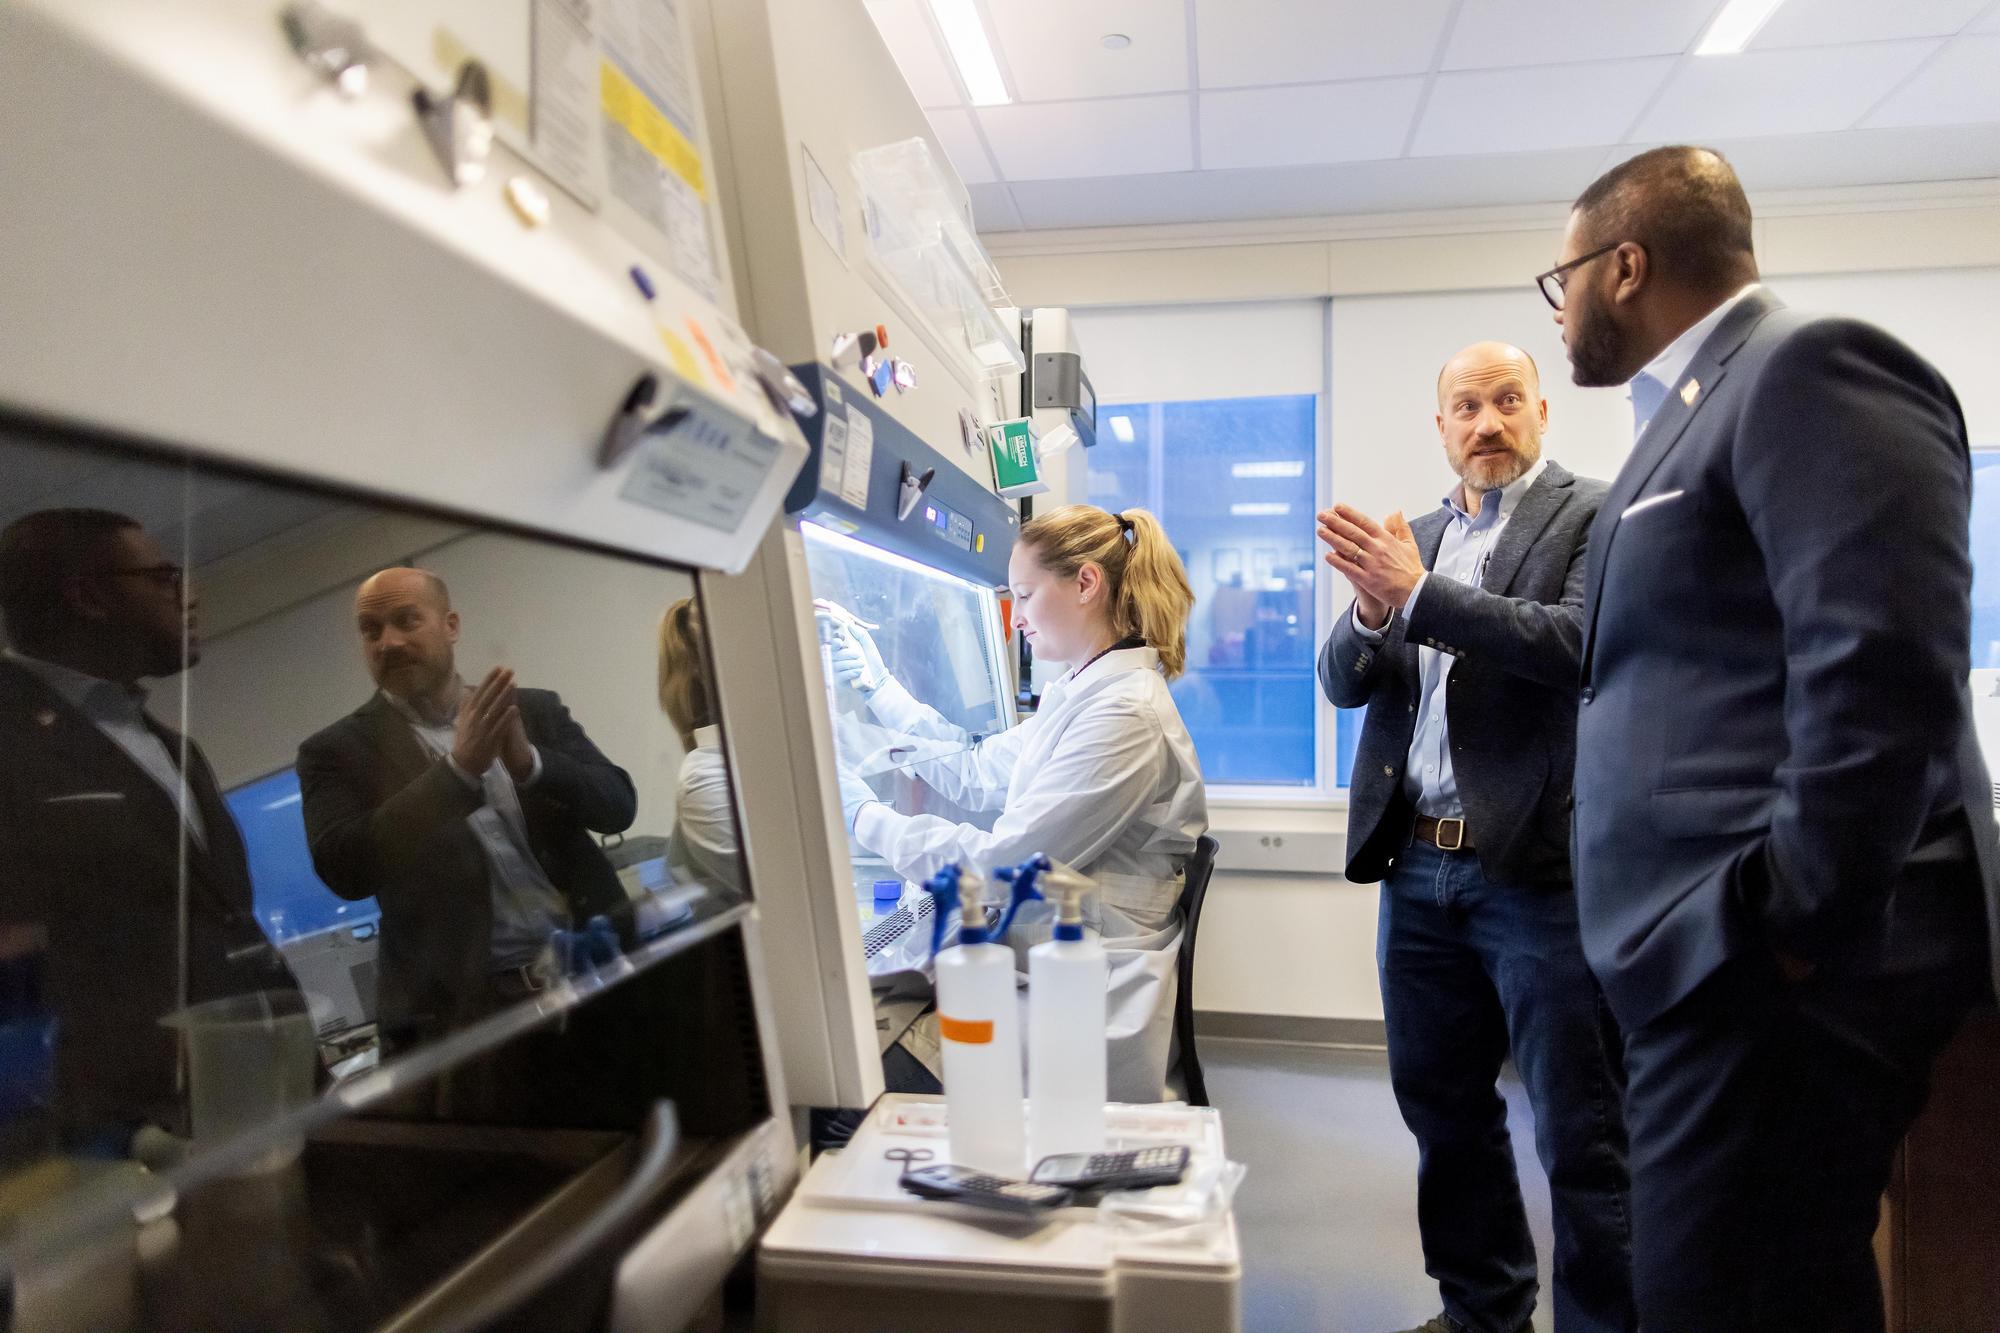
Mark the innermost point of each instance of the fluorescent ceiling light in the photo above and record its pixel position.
(965, 36)
(1260, 509)
(1277, 467)
(1735, 26)
(1122, 428)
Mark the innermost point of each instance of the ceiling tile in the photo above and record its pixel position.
(1326, 122)
(1116, 137)
(1962, 85)
(1247, 43)
(1493, 33)
(1854, 157)
(1520, 110)
(1825, 22)
(1396, 185)
(906, 31)
(993, 209)
(1991, 23)
(1053, 47)
(1778, 92)
(960, 139)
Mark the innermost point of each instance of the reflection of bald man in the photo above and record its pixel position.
(466, 811)
(1460, 805)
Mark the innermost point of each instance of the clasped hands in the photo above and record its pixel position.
(489, 727)
(1380, 560)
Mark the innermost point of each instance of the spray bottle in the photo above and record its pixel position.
(1068, 978)
(979, 1028)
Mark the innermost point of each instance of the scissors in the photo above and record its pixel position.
(907, 1156)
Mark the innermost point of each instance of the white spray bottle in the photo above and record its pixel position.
(979, 1028)
(1068, 978)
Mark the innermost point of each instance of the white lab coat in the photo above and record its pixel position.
(702, 847)
(1103, 777)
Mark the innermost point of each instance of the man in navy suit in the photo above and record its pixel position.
(1785, 862)
(123, 880)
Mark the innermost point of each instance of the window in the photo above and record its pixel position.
(1234, 481)
(1986, 559)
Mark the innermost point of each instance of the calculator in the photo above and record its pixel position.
(962, 1184)
(1136, 1169)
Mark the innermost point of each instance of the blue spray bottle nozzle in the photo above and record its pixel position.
(943, 887)
(1025, 881)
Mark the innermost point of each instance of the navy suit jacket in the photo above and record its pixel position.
(1511, 708)
(90, 854)
(1775, 746)
(385, 819)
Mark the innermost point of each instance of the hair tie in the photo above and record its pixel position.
(1124, 524)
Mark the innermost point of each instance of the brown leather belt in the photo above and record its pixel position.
(1447, 835)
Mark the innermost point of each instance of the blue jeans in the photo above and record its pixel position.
(1473, 971)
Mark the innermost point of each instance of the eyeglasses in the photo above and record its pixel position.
(172, 576)
(1556, 279)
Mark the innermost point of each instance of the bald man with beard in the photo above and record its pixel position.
(466, 811)
(1460, 807)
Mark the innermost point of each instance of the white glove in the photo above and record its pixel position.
(854, 793)
(857, 662)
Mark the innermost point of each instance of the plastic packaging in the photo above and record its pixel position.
(1183, 1214)
(979, 1029)
(1068, 979)
(250, 1060)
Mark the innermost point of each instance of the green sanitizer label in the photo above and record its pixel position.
(1014, 468)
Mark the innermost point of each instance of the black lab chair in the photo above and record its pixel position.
(1194, 891)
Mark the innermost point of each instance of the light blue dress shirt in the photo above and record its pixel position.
(1649, 387)
(1468, 541)
(526, 905)
(120, 715)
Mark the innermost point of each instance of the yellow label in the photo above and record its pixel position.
(681, 355)
(969, 1032)
(631, 108)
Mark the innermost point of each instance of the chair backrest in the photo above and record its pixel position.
(1194, 891)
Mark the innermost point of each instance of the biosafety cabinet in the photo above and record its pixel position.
(846, 223)
(379, 944)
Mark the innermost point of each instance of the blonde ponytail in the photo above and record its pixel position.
(1150, 594)
(684, 695)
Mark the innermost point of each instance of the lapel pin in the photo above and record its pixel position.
(1690, 391)
(46, 717)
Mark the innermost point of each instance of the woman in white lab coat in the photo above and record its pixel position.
(702, 848)
(1102, 777)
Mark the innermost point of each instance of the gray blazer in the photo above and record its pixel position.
(1511, 708)
(1776, 747)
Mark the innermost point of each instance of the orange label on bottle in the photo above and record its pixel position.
(963, 1030)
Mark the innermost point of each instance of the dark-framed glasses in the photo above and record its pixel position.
(166, 576)
(1553, 282)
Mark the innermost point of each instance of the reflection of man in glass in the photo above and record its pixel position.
(465, 810)
(113, 833)
(703, 849)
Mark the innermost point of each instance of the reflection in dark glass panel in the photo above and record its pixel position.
(308, 796)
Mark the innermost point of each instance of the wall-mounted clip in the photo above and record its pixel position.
(911, 490)
(786, 391)
(329, 43)
(633, 421)
(460, 126)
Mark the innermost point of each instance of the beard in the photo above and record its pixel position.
(413, 677)
(1597, 351)
(1490, 474)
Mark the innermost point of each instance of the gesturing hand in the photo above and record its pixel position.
(1380, 560)
(484, 717)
